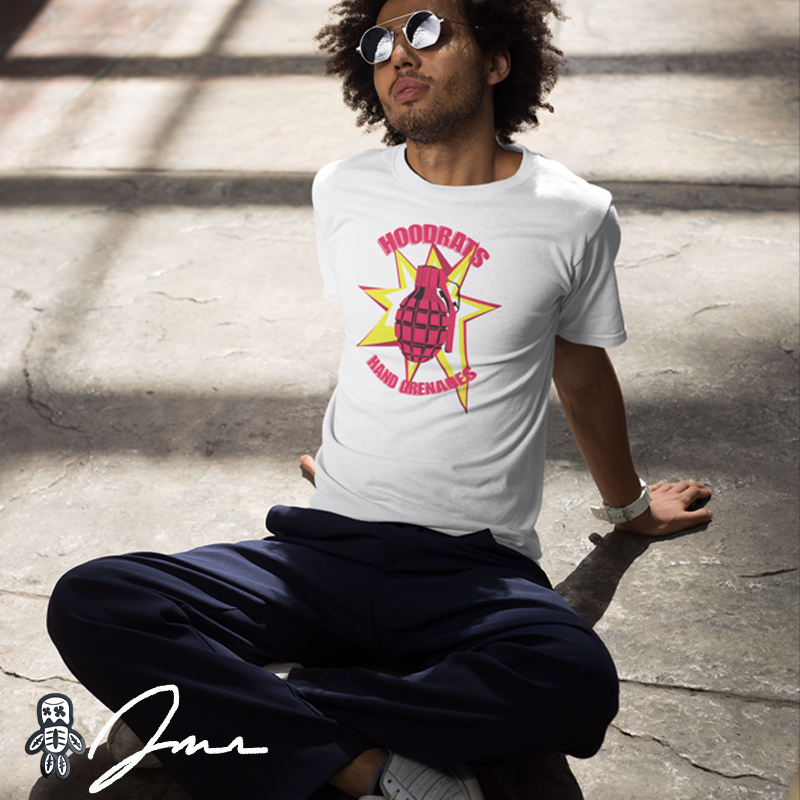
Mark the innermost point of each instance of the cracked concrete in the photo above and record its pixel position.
(165, 355)
(710, 724)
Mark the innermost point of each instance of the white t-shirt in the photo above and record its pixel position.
(452, 299)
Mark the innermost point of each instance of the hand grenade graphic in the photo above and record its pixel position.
(55, 735)
(425, 320)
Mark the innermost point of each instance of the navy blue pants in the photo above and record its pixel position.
(490, 664)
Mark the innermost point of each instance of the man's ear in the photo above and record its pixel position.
(499, 67)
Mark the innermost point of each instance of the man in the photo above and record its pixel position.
(470, 271)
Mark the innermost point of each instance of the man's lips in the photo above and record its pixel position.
(408, 89)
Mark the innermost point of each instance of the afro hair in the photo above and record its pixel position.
(518, 26)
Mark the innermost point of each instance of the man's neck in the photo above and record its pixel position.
(466, 162)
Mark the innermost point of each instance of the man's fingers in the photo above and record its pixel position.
(700, 516)
(690, 490)
(678, 486)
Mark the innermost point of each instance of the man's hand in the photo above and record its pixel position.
(669, 509)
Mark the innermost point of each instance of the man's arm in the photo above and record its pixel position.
(592, 400)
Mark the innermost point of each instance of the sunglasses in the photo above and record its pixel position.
(422, 30)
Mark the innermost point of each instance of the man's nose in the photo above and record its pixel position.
(403, 54)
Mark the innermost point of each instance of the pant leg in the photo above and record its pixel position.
(206, 620)
(501, 666)
(505, 669)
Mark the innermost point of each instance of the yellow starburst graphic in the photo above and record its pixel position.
(464, 310)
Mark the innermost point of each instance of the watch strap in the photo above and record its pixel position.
(617, 516)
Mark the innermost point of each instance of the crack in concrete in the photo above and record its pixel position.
(650, 373)
(692, 763)
(188, 299)
(745, 698)
(39, 407)
(78, 460)
(12, 674)
(655, 259)
(711, 308)
(769, 573)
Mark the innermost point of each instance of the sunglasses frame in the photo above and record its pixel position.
(391, 32)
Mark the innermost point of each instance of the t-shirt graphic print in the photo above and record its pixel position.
(425, 315)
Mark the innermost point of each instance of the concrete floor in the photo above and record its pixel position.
(165, 355)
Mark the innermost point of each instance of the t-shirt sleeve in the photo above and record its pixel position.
(319, 192)
(329, 290)
(591, 313)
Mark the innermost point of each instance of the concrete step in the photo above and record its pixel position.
(205, 74)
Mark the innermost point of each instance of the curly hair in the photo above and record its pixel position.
(520, 26)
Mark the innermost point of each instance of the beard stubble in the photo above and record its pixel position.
(446, 121)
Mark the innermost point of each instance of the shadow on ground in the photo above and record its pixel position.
(590, 588)
(127, 190)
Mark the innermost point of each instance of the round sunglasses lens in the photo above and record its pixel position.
(423, 29)
(376, 45)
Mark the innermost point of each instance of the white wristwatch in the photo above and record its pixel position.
(626, 513)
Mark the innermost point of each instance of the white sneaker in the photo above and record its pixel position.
(281, 669)
(406, 779)
(123, 742)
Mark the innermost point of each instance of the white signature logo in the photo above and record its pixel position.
(190, 743)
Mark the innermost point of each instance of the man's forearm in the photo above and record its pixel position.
(596, 415)
(592, 400)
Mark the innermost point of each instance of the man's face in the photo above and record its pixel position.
(431, 95)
